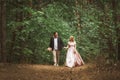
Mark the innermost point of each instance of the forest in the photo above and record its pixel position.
(27, 25)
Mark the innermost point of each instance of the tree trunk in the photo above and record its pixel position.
(3, 30)
(115, 19)
(18, 18)
(116, 7)
(13, 38)
(77, 15)
(30, 5)
(0, 30)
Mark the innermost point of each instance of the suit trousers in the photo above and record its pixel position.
(56, 54)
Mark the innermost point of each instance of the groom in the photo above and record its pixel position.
(56, 44)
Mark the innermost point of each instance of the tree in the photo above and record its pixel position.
(115, 7)
(3, 30)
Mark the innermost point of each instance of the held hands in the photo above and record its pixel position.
(65, 47)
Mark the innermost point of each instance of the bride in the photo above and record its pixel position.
(73, 58)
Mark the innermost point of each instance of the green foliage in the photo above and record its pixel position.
(30, 36)
(36, 32)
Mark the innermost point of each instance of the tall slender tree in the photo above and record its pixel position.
(77, 14)
(115, 8)
(3, 30)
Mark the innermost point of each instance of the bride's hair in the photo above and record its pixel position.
(71, 38)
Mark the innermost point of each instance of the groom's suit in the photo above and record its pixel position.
(59, 42)
(56, 52)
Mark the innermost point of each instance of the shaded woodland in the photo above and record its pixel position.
(26, 27)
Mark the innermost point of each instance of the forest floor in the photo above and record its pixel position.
(89, 71)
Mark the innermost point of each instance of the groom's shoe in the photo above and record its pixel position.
(55, 64)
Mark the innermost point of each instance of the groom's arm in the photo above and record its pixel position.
(61, 42)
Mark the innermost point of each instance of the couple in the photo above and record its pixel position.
(73, 58)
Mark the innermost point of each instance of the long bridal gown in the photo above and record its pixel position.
(73, 58)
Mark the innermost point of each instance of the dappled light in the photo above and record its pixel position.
(59, 39)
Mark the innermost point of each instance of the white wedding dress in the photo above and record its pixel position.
(73, 58)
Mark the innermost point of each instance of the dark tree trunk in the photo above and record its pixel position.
(13, 38)
(3, 30)
(115, 19)
(77, 15)
(0, 30)
(18, 18)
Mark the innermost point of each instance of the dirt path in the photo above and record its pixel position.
(49, 72)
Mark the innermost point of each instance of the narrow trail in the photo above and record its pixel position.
(49, 72)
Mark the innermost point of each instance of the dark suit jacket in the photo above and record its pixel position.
(60, 43)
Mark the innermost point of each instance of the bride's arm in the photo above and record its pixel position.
(67, 46)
